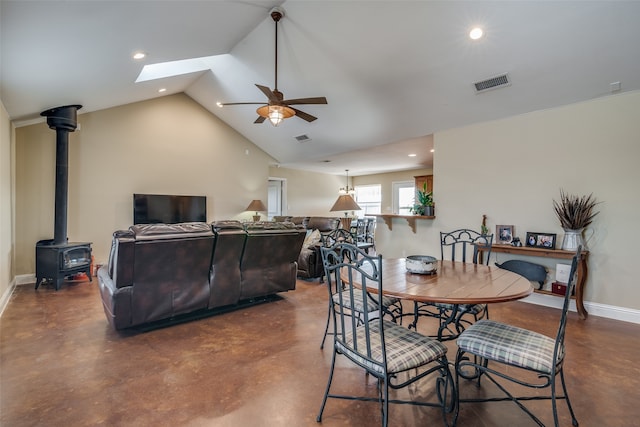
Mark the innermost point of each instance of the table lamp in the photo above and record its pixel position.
(345, 203)
(256, 206)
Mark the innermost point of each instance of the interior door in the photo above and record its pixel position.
(275, 198)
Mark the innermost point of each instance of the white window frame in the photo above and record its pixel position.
(368, 208)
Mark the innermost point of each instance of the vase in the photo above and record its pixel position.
(572, 239)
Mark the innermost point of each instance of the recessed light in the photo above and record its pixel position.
(139, 55)
(162, 90)
(433, 150)
(476, 33)
(412, 155)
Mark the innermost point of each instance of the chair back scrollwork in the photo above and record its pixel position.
(462, 241)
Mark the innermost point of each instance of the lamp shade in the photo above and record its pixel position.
(256, 206)
(345, 203)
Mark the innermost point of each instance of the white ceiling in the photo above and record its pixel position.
(393, 72)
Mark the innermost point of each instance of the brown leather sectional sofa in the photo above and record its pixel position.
(161, 272)
(310, 259)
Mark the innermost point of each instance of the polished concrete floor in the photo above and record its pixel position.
(62, 365)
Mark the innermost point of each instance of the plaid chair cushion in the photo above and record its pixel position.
(358, 304)
(464, 308)
(406, 349)
(510, 345)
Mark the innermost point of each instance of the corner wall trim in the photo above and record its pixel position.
(25, 279)
(4, 299)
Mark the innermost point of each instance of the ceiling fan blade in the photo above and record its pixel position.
(318, 100)
(269, 94)
(242, 103)
(304, 116)
(259, 120)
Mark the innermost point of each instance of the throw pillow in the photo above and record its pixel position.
(312, 239)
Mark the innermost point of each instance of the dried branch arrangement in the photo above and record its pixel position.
(575, 212)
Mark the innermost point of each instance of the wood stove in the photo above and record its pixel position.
(57, 258)
(57, 261)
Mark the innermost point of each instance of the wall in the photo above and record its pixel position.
(386, 181)
(6, 207)
(309, 193)
(169, 145)
(509, 169)
(512, 169)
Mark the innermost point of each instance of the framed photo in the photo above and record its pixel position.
(504, 234)
(541, 240)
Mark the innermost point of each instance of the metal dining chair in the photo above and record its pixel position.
(361, 230)
(393, 354)
(370, 231)
(518, 352)
(461, 244)
(392, 306)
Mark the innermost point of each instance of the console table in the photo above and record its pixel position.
(581, 274)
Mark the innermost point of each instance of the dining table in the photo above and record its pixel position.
(451, 282)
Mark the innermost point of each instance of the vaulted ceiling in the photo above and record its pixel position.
(393, 72)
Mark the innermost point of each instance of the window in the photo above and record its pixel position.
(404, 194)
(369, 198)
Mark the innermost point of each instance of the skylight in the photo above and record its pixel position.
(176, 68)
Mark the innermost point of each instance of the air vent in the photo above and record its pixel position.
(303, 138)
(492, 83)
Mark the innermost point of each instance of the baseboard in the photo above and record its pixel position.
(6, 296)
(25, 279)
(593, 308)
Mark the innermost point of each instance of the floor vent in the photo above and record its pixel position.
(492, 83)
(303, 138)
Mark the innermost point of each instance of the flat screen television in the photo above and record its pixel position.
(168, 209)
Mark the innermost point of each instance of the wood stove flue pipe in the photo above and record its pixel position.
(63, 120)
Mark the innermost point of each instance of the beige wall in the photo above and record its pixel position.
(512, 169)
(386, 181)
(6, 205)
(509, 169)
(169, 145)
(309, 193)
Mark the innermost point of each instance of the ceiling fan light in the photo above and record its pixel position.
(275, 113)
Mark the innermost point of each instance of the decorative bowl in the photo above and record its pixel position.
(421, 264)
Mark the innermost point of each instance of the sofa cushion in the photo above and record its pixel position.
(300, 220)
(270, 226)
(323, 223)
(229, 224)
(170, 231)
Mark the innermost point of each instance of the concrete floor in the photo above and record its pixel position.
(62, 365)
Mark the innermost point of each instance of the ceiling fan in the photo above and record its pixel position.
(277, 108)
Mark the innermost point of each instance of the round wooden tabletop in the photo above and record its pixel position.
(452, 283)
